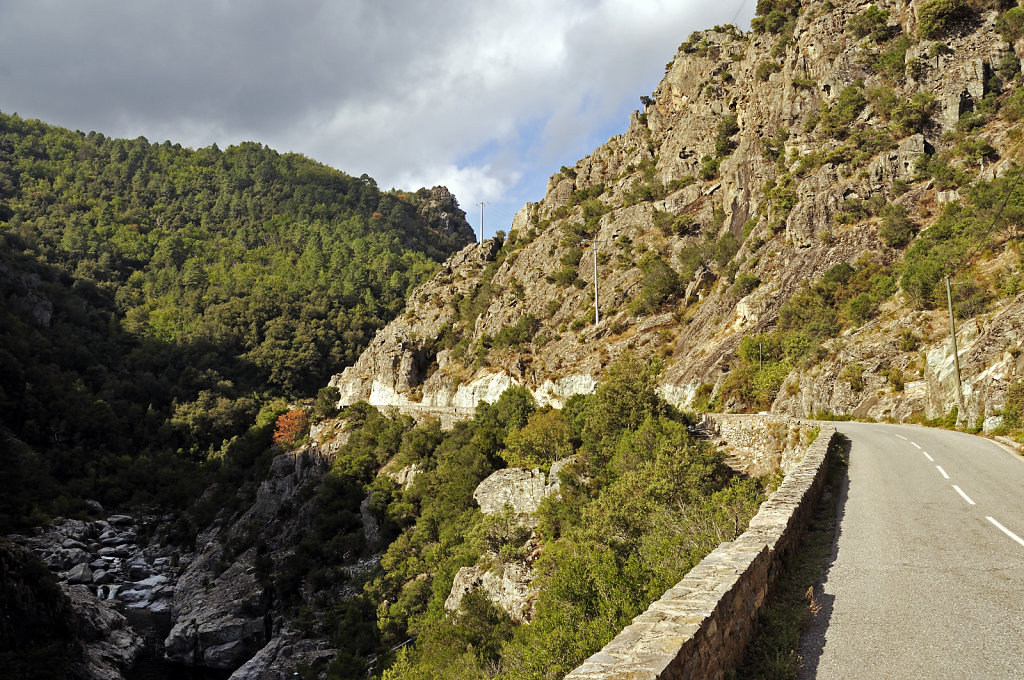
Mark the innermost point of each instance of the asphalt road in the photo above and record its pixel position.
(926, 581)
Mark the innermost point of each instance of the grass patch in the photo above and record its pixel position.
(773, 652)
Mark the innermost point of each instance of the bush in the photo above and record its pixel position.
(708, 168)
(939, 18)
(854, 375)
(727, 128)
(897, 230)
(765, 69)
(892, 63)
(909, 341)
(326, 405)
(659, 283)
(837, 120)
(745, 285)
(1013, 411)
(519, 333)
(1010, 24)
(1013, 107)
(871, 21)
(910, 116)
(290, 427)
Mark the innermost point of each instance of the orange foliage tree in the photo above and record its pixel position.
(290, 427)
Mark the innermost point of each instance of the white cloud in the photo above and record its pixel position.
(488, 98)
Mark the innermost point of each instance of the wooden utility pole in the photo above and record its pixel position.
(482, 204)
(956, 357)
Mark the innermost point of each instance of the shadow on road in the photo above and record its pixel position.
(812, 641)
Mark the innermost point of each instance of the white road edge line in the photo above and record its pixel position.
(916, 444)
(939, 468)
(927, 456)
(963, 495)
(902, 437)
(1006, 531)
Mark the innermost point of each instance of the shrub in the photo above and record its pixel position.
(290, 427)
(910, 116)
(727, 128)
(519, 333)
(326, 405)
(1013, 412)
(659, 282)
(765, 69)
(871, 21)
(772, 15)
(1010, 24)
(708, 168)
(854, 375)
(837, 120)
(897, 230)
(909, 341)
(1013, 107)
(891, 64)
(1008, 67)
(882, 99)
(939, 18)
(745, 285)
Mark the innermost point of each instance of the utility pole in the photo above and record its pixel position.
(597, 313)
(482, 204)
(956, 357)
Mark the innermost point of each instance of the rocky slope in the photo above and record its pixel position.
(764, 108)
(52, 630)
(224, 612)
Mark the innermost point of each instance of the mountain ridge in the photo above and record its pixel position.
(735, 187)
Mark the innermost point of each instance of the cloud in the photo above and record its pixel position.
(489, 98)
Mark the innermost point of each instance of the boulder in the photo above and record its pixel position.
(80, 573)
(279, 658)
(508, 586)
(521, 489)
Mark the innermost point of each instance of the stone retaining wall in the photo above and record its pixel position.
(765, 442)
(700, 627)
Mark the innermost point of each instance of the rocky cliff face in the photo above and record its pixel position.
(735, 140)
(224, 615)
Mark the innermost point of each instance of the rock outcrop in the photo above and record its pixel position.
(515, 488)
(106, 557)
(507, 585)
(223, 614)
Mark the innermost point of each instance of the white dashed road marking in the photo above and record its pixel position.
(963, 495)
(939, 468)
(927, 456)
(902, 437)
(1006, 531)
(916, 444)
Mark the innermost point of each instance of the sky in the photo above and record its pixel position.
(487, 98)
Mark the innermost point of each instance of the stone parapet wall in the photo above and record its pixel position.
(765, 442)
(700, 627)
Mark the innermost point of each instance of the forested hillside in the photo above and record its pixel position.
(154, 298)
(640, 503)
